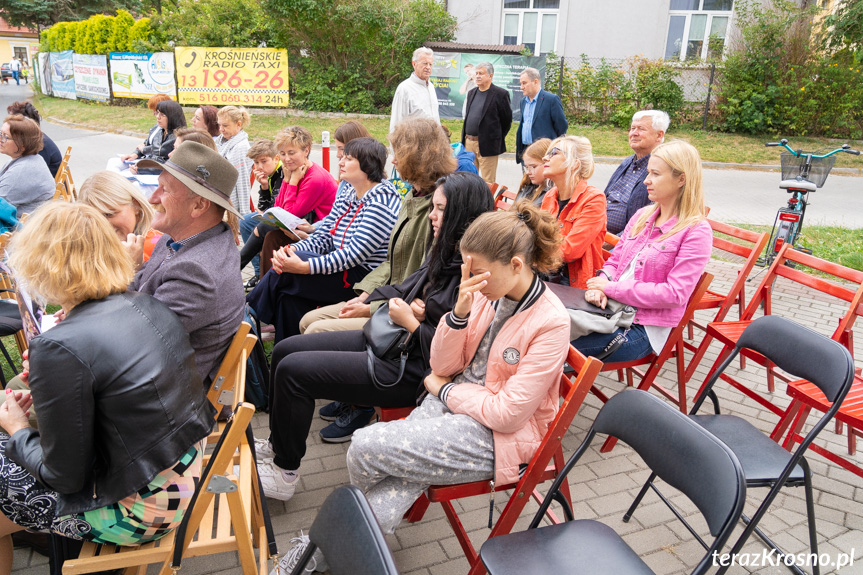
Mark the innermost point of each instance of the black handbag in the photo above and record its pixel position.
(387, 340)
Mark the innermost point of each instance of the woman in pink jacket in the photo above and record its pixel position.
(661, 255)
(495, 359)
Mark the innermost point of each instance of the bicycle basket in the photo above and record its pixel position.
(792, 166)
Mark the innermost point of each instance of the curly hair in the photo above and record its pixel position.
(422, 152)
(26, 109)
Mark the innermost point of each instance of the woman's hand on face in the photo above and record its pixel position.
(468, 286)
(298, 174)
(135, 247)
(418, 306)
(434, 382)
(402, 314)
(14, 413)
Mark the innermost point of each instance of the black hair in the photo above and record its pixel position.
(26, 109)
(372, 156)
(467, 197)
(176, 118)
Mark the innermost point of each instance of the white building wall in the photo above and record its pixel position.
(479, 21)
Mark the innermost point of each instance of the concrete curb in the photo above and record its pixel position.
(507, 156)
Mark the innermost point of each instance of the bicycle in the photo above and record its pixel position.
(802, 173)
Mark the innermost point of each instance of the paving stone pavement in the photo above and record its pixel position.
(602, 485)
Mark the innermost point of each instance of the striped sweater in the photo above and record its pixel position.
(356, 232)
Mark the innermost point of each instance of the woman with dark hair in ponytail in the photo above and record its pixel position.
(335, 365)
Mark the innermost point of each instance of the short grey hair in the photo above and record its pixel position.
(659, 119)
(422, 51)
(486, 66)
(531, 73)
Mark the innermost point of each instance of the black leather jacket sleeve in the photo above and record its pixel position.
(66, 414)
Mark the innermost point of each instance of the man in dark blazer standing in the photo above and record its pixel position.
(626, 193)
(541, 114)
(487, 120)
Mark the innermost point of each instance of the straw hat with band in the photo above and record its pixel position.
(202, 170)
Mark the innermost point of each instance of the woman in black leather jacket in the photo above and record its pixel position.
(121, 412)
(336, 365)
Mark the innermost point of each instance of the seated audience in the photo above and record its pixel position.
(661, 256)
(423, 157)
(534, 185)
(335, 365)
(71, 477)
(169, 117)
(496, 360)
(351, 241)
(579, 207)
(195, 268)
(206, 119)
(267, 170)
(194, 135)
(50, 152)
(625, 192)
(233, 145)
(153, 139)
(128, 212)
(307, 191)
(25, 182)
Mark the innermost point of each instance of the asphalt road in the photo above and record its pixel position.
(743, 196)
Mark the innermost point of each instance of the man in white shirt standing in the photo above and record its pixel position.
(15, 67)
(416, 96)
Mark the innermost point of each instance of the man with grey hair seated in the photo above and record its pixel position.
(487, 120)
(626, 193)
(416, 96)
(541, 113)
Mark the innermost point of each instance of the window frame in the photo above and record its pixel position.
(687, 15)
(540, 12)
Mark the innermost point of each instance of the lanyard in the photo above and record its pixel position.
(342, 243)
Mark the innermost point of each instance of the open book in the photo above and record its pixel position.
(280, 218)
(32, 315)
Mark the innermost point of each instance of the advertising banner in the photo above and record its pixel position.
(91, 77)
(452, 77)
(62, 75)
(240, 76)
(142, 75)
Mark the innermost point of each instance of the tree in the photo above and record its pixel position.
(40, 14)
(236, 23)
(844, 29)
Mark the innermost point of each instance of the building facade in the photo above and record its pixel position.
(19, 42)
(671, 29)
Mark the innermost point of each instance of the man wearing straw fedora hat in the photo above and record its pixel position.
(195, 266)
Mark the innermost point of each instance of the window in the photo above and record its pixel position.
(697, 29)
(532, 23)
(21, 54)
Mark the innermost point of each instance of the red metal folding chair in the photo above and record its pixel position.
(504, 199)
(545, 465)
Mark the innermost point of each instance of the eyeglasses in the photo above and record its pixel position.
(159, 114)
(553, 152)
(4, 137)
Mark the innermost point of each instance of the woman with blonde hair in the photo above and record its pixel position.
(661, 255)
(233, 144)
(126, 209)
(71, 477)
(578, 206)
(534, 185)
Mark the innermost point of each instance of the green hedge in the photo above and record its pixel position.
(99, 34)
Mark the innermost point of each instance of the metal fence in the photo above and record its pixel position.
(604, 90)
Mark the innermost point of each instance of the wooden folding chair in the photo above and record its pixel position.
(504, 199)
(222, 390)
(58, 177)
(673, 348)
(728, 332)
(225, 516)
(547, 462)
(736, 295)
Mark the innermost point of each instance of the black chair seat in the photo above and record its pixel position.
(582, 547)
(10, 326)
(9, 308)
(762, 458)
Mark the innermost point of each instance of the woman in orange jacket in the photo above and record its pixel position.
(579, 207)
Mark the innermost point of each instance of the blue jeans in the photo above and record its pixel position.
(247, 225)
(636, 345)
(17, 75)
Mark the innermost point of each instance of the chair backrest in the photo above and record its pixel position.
(504, 199)
(223, 390)
(781, 268)
(65, 162)
(752, 246)
(611, 240)
(682, 453)
(348, 534)
(801, 352)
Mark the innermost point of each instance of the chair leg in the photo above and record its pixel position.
(637, 501)
(418, 509)
(810, 512)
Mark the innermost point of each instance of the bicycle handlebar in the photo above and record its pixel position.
(799, 153)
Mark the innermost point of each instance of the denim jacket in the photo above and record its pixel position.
(666, 271)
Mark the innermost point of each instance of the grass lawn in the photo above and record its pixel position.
(606, 140)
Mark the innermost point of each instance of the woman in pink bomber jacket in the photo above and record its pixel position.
(495, 364)
(661, 255)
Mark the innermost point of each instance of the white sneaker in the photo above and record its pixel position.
(277, 483)
(263, 450)
(290, 559)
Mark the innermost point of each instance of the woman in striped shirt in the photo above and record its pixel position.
(349, 242)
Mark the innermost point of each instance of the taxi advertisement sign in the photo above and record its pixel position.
(239, 76)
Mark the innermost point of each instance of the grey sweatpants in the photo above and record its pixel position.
(395, 461)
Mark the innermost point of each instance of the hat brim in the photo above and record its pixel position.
(196, 187)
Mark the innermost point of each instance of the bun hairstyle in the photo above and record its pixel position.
(524, 230)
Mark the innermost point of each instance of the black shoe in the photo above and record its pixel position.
(253, 281)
